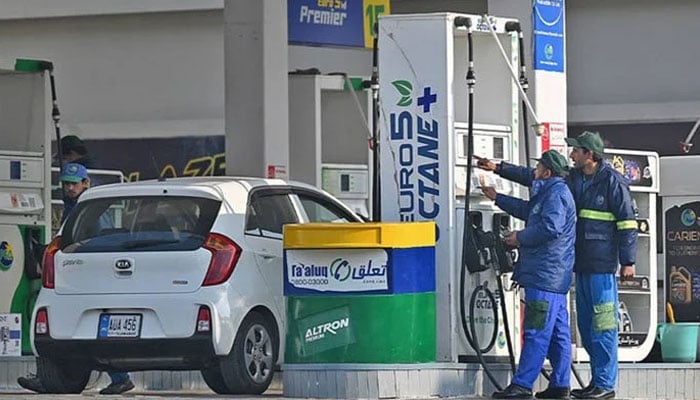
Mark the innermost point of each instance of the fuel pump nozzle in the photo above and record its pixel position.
(688, 142)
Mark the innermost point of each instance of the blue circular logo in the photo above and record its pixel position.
(340, 269)
(549, 51)
(501, 341)
(551, 13)
(688, 217)
(6, 256)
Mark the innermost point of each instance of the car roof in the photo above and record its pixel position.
(213, 185)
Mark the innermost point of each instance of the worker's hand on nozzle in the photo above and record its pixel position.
(626, 272)
(489, 191)
(485, 163)
(511, 239)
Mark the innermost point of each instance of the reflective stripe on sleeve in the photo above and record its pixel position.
(629, 224)
(597, 215)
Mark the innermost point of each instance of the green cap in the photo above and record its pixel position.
(555, 162)
(588, 140)
(72, 142)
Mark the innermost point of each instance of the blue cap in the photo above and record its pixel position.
(73, 172)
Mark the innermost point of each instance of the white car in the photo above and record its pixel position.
(181, 274)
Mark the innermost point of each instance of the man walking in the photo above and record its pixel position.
(606, 236)
(75, 180)
(545, 270)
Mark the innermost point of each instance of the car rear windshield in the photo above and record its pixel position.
(128, 224)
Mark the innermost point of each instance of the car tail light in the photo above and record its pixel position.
(203, 319)
(225, 255)
(41, 324)
(47, 268)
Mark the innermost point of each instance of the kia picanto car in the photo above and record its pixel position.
(181, 274)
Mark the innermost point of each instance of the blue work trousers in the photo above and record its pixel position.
(546, 334)
(596, 309)
(119, 377)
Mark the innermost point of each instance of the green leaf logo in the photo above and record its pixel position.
(405, 88)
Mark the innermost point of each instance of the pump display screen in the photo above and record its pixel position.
(345, 183)
(498, 148)
(15, 170)
(489, 146)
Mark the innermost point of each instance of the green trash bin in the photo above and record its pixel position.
(360, 293)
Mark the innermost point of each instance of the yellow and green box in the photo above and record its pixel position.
(360, 293)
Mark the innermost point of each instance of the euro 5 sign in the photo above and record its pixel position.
(415, 123)
(415, 146)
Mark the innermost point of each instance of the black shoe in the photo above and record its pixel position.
(553, 393)
(598, 393)
(31, 382)
(513, 391)
(118, 388)
(581, 393)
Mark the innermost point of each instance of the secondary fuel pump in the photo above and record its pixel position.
(25, 219)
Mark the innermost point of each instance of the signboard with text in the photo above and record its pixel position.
(345, 23)
(151, 158)
(326, 330)
(682, 239)
(335, 271)
(549, 35)
(10, 335)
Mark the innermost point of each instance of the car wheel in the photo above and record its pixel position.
(61, 377)
(212, 377)
(249, 367)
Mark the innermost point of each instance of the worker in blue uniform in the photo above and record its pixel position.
(606, 237)
(545, 270)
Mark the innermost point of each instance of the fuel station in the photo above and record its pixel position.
(449, 89)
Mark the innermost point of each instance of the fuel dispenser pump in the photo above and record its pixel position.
(24, 191)
(428, 128)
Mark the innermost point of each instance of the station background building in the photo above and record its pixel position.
(145, 82)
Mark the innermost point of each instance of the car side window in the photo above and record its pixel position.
(318, 209)
(268, 213)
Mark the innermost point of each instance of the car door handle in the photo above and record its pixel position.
(266, 256)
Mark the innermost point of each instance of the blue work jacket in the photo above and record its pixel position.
(606, 231)
(547, 242)
(68, 206)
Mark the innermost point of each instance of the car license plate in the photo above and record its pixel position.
(119, 326)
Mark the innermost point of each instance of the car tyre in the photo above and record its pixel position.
(62, 377)
(213, 378)
(249, 367)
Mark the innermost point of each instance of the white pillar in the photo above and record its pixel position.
(255, 61)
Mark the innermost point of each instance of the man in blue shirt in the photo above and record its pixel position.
(75, 180)
(545, 270)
